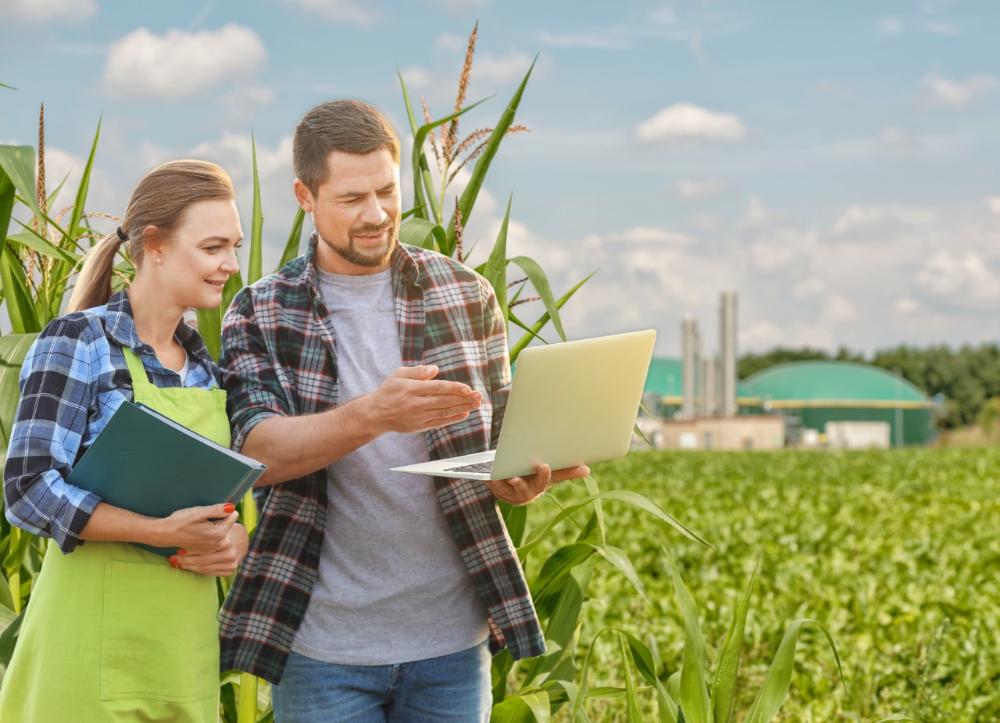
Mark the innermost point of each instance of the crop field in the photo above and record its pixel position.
(895, 553)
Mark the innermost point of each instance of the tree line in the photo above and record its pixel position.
(966, 378)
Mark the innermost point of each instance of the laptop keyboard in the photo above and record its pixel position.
(484, 467)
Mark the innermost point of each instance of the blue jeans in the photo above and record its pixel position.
(454, 687)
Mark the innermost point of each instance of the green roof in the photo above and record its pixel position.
(833, 381)
(665, 377)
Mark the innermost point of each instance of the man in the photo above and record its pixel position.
(369, 594)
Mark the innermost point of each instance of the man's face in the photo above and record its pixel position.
(356, 212)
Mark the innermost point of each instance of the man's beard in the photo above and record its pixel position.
(351, 253)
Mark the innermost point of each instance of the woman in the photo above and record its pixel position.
(113, 632)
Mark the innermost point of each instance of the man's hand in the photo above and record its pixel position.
(411, 400)
(522, 490)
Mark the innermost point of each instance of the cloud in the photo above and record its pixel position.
(697, 189)
(642, 234)
(460, 6)
(416, 77)
(938, 27)
(946, 93)
(994, 204)
(48, 11)
(244, 100)
(905, 305)
(341, 12)
(890, 26)
(179, 64)
(872, 217)
(960, 279)
(596, 41)
(896, 139)
(500, 68)
(689, 122)
(449, 41)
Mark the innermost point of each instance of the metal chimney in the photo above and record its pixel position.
(727, 353)
(689, 354)
(709, 374)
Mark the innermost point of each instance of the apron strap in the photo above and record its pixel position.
(135, 367)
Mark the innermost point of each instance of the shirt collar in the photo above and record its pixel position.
(120, 324)
(401, 262)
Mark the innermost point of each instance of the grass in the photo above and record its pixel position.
(895, 552)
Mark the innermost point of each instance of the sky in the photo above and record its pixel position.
(833, 163)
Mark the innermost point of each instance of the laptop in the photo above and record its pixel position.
(570, 403)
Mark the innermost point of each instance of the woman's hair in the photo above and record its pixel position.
(160, 199)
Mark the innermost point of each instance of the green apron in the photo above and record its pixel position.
(112, 632)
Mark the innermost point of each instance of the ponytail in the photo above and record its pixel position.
(93, 285)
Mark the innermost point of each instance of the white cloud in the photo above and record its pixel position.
(809, 287)
(689, 122)
(596, 41)
(896, 139)
(244, 100)
(664, 15)
(697, 189)
(947, 93)
(416, 77)
(905, 305)
(939, 27)
(460, 6)
(500, 68)
(838, 310)
(642, 234)
(960, 279)
(994, 204)
(346, 12)
(448, 41)
(48, 11)
(890, 26)
(179, 64)
(866, 218)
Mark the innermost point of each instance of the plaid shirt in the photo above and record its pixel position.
(279, 358)
(73, 380)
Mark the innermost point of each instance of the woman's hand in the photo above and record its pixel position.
(220, 562)
(196, 529)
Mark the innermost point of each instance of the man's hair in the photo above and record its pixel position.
(350, 126)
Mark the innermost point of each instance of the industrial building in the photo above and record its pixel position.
(696, 402)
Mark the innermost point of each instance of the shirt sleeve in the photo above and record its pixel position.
(498, 358)
(57, 390)
(254, 391)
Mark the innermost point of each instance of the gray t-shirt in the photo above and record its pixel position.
(392, 586)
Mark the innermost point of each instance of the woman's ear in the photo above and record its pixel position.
(152, 241)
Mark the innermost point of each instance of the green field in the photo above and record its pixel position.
(897, 553)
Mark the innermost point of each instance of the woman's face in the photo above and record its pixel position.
(192, 267)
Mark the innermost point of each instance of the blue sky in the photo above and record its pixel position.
(834, 163)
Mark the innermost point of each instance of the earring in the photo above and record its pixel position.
(159, 259)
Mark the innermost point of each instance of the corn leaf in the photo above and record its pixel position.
(255, 266)
(13, 349)
(30, 238)
(525, 708)
(779, 675)
(294, 242)
(423, 186)
(421, 232)
(633, 714)
(627, 496)
(495, 270)
(646, 664)
(544, 318)
(694, 699)
(724, 684)
(541, 283)
(18, 164)
(20, 305)
(471, 191)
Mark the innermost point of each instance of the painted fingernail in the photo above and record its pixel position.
(173, 561)
(182, 552)
(228, 507)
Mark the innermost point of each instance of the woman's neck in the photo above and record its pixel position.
(155, 320)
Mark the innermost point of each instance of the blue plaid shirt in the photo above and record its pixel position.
(72, 381)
